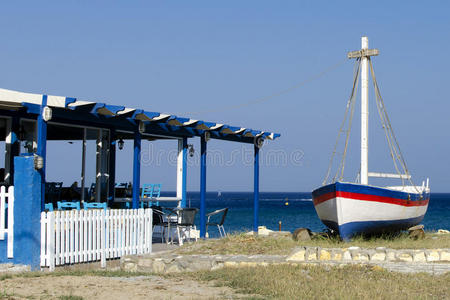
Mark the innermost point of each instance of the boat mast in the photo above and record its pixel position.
(364, 55)
(364, 113)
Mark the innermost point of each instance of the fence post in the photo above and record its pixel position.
(150, 230)
(102, 239)
(2, 213)
(51, 240)
(43, 238)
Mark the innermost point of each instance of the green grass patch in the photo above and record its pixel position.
(313, 282)
(283, 245)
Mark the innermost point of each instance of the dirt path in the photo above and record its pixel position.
(111, 288)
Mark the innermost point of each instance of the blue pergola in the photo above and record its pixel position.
(126, 123)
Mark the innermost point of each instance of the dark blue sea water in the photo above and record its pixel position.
(299, 213)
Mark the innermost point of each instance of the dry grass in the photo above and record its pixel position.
(282, 245)
(240, 244)
(312, 282)
(298, 282)
(399, 241)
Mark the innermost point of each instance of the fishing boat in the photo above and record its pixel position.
(358, 208)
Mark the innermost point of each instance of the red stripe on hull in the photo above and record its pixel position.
(367, 197)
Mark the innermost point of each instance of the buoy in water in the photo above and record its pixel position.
(286, 203)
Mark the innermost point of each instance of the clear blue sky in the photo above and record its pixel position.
(200, 58)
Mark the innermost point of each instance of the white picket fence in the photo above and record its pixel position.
(7, 227)
(76, 236)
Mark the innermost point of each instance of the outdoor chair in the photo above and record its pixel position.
(156, 190)
(158, 220)
(150, 191)
(147, 193)
(120, 189)
(48, 206)
(185, 218)
(147, 190)
(218, 217)
(95, 205)
(91, 192)
(68, 205)
(53, 191)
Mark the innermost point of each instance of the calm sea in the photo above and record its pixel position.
(298, 213)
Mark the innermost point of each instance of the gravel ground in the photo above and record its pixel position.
(111, 288)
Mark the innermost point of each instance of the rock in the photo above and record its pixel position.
(301, 234)
(378, 256)
(432, 255)
(377, 268)
(404, 257)
(174, 268)
(158, 266)
(347, 255)
(417, 234)
(416, 227)
(445, 256)
(297, 255)
(354, 248)
(311, 253)
(324, 255)
(419, 256)
(262, 230)
(443, 231)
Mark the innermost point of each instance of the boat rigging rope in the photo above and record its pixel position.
(350, 105)
(267, 98)
(352, 110)
(387, 131)
(390, 136)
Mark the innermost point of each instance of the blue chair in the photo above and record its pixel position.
(95, 205)
(48, 206)
(147, 192)
(68, 205)
(156, 190)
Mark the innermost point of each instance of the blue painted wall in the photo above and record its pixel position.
(27, 212)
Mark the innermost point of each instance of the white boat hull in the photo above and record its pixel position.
(353, 209)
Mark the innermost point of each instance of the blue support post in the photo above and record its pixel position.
(136, 169)
(184, 175)
(42, 147)
(203, 187)
(112, 166)
(256, 190)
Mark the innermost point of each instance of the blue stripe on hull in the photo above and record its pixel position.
(348, 230)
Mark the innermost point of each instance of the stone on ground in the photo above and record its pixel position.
(301, 234)
(417, 232)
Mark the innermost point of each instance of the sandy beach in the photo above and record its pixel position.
(96, 287)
